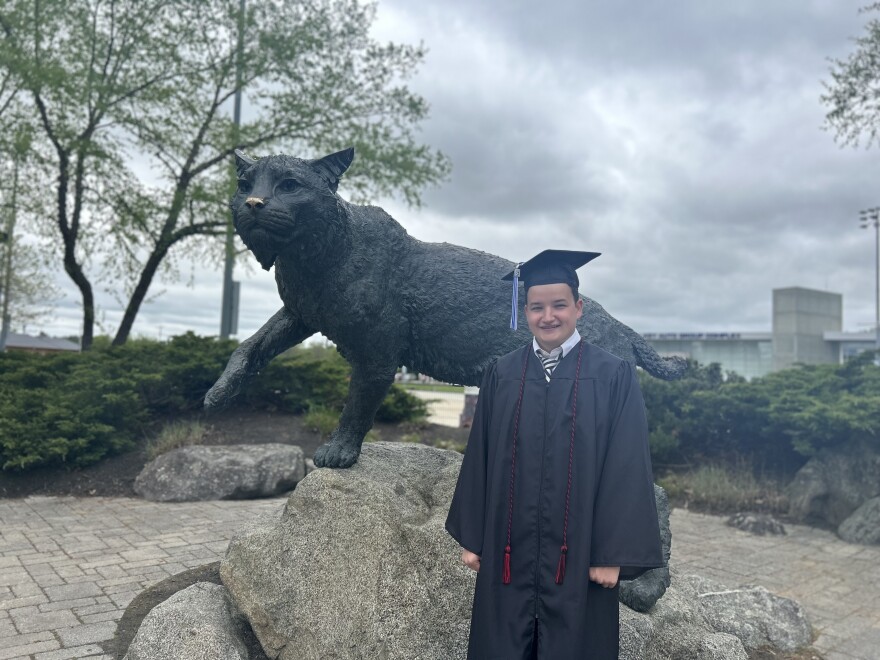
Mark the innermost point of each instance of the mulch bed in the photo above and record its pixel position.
(114, 476)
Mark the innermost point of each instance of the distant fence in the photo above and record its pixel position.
(449, 408)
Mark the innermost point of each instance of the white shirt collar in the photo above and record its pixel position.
(566, 346)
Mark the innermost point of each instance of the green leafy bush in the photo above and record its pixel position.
(399, 405)
(777, 421)
(75, 409)
(72, 409)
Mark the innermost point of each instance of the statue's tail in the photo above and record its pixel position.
(665, 368)
(608, 333)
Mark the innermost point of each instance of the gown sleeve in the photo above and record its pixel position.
(626, 531)
(466, 516)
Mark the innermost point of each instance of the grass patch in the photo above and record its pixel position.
(433, 387)
(451, 444)
(321, 420)
(174, 436)
(725, 489)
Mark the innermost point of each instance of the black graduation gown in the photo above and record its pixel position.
(612, 518)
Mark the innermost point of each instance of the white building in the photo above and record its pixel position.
(806, 329)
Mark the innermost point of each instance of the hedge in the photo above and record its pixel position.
(75, 409)
(777, 421)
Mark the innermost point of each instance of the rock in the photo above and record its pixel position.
(152, 596)
(636, 632)
(756, 523)
(863, 526)
(359, 565)
(227, 472)
(721, 646)
(834, 483)
(753, 614)
(678, 624)
(198, 622)
(641, 594)
(310, 465)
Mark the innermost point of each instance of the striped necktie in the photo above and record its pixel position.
(549, 360)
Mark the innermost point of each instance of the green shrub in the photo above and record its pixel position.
(72, 409)
(399, 406)
(299, 380)
(176, 435)
(77, 408)
(775, 422)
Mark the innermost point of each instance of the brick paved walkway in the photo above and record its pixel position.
(69, 567)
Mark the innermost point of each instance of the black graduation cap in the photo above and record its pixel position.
(548, 267)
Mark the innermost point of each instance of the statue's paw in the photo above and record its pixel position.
(337, 454)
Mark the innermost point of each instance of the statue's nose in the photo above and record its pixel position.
(255, 202)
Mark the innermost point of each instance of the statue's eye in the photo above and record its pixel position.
(244, 186)
(288, 185)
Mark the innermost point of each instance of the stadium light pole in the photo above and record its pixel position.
(229, 303)
(871, 218)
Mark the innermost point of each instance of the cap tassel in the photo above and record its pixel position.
(515, 303)
(560, 569)
(505, 572)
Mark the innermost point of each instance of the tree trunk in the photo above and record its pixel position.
(140, 291)
(71, 265)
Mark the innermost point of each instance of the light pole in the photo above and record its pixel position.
(869, 218)
(229, 300)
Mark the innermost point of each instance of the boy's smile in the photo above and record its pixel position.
(552, 313)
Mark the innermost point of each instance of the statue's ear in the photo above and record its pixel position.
(242, 162)
(333, 166)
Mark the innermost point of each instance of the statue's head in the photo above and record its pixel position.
(284, 203)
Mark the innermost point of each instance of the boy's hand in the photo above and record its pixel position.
(470, 560)
(607, 576)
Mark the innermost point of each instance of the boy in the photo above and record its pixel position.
(554, 502)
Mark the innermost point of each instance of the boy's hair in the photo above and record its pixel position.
(575, 294)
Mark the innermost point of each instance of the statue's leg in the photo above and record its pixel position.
(365, 393)
(278, 334)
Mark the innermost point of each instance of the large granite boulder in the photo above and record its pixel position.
(229, 472)
(755, 616)
(358, 566)
(834, 483)
(684, 638)
(198, 622)
(863, 525)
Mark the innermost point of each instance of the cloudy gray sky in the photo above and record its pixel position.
(681, 139)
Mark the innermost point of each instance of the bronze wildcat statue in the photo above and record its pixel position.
(384, 298)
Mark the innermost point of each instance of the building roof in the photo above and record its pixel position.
(711, 336)
(40, 343)
(832, 335)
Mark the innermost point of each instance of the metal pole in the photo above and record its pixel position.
(5, 318)
(228, 308)
(868, 218)
(877, 287)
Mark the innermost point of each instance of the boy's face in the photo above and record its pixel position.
(552, 313)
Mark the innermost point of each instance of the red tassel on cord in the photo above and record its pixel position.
(505, 573)
(560, 569)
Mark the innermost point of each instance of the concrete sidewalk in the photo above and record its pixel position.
(69, 567)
